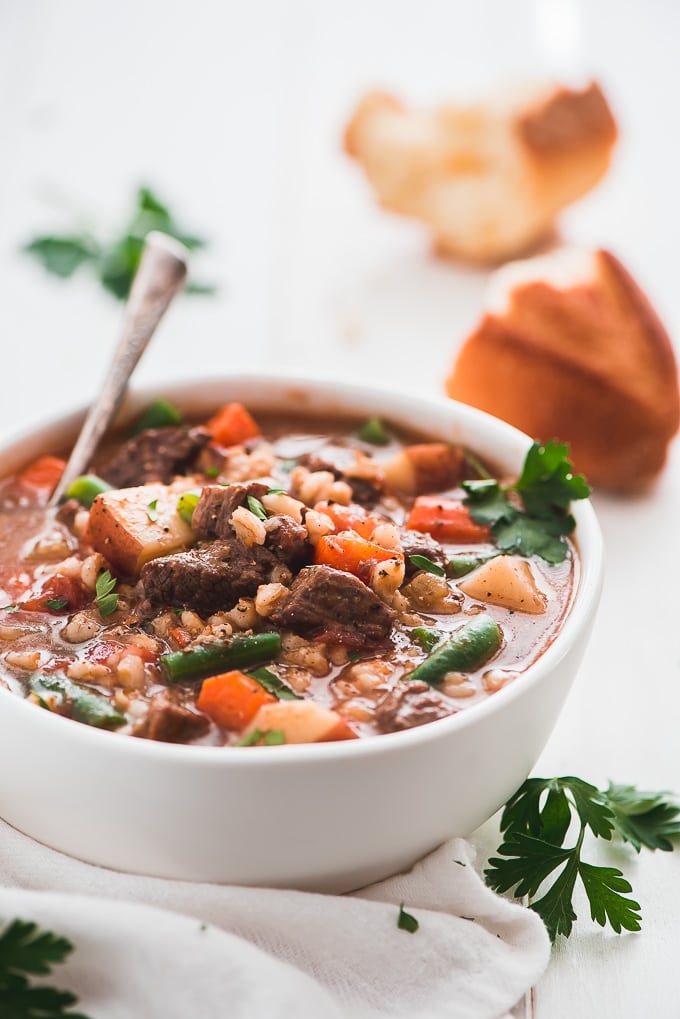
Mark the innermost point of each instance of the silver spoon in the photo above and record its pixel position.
(161, 273)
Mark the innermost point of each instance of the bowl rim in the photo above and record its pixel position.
(576, 621)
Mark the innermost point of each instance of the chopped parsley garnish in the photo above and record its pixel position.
(56, 604)
(536, 822)
(26, 951)
(546, 486)
(374, 432)
(256, 507)
(406, 921)
(114, 260)
(10, 608)
(428, 639)
(152, 510)
(277, 491)
(421, 562)
(212, 472)
(263, 737)
(272, 684)
(354, 656)
(107, 602)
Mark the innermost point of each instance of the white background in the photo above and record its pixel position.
(234, 113)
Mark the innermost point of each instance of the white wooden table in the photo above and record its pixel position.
(234, 113)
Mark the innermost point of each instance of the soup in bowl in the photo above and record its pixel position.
(285, 631)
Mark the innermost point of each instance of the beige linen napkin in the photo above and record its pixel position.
(150, 947)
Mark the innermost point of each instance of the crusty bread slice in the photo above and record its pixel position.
(570, 348)
(487, 179)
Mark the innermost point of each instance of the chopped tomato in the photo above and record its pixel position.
(42, 475)
(180, 636)
(233, 424)
(64, 594)
(446, 520)
(232, 699)
(349, 552)
(102, 650)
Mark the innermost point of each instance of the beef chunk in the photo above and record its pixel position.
(157, 454)
(208, 578)
(340, 461)
(170, 721)
(324, 600)
(415, 543)
(213, 511)
(287, 541)
(409, 704)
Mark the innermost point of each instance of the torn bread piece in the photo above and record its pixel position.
(570, 348)
(488, 179)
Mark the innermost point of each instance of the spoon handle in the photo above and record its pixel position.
(161, 273)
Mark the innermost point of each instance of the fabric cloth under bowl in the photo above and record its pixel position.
(150, 947)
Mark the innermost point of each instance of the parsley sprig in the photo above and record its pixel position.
(26, 950)
(546, 487)
(536, 822)
(107, 602)
(115, 260)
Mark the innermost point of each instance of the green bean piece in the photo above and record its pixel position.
(159, 414)
(469, 647)
(86, 488)
(460, 565)
(273, 684)
(374, 432)
(186, 504)
(210, 659)
(428, 639)
(83, 704)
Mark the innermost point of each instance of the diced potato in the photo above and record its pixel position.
(130, 526)
(425, 467)
(301, 722)
(507, 581)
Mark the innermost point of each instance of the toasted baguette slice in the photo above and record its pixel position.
(570, 348)
(488, 179)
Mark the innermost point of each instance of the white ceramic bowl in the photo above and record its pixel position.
(331, 816)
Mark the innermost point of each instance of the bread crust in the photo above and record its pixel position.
(591, 365)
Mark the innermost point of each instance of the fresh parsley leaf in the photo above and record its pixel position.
(115, 260)
(273, 684)
(212, 472)
(421, 562)
(24, 949)
(353, 656)
(546, 486)
(107, 602)
(537, 820)
(56, 604)
(61, 256)
(644, 818)
(406, 921)
(152, 510)
(256, 507)
(10, 608)
(263, 737)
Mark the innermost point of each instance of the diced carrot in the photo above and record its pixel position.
(232, 424)
(351, 553)
(232, 699)
(349, 518)
(446, 519)
(43, 474)
(180, 636)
